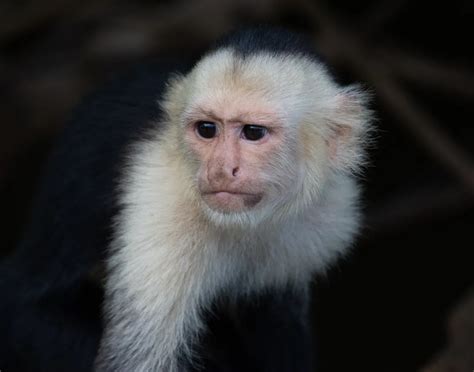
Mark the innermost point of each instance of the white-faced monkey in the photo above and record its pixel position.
(212, 195)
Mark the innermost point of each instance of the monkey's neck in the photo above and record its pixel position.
(166, 264)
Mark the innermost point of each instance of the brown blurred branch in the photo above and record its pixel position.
(452, 78)
(421, 125)
(14, 21)
(458, 355)
(424, 205)
(380, 14)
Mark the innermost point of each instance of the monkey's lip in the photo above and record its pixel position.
(231, 200)
(227, 192)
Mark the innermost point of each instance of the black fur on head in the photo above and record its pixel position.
(250, 41)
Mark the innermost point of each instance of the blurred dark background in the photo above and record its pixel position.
(404, 299)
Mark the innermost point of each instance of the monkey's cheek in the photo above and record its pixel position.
(231, 202)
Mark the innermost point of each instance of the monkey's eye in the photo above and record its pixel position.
(254, 132)
(206, 129)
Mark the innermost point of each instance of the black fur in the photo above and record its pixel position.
(250, 41)
(50, 305)
(268, 333)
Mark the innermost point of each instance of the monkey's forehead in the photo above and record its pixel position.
(261, 71)
(272, 81)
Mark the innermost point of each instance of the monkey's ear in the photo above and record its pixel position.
(349, 130)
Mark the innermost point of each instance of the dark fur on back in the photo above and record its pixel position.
(50, 307)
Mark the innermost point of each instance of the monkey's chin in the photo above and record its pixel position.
(233, 211)
(231, 202)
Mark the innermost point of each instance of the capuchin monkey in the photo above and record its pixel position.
(213, 195)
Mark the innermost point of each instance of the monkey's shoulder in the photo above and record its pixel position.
(76, 198)
(93, 145)
(122, 108)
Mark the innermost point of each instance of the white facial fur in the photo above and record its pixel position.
(173, 251)
(317, 127)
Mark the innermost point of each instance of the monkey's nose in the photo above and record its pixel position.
(235, 171)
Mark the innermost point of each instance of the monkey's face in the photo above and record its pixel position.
(261, 132)
(246, 155)
(239, 145)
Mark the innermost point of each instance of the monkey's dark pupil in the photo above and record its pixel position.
(206, 129)
(254, 132)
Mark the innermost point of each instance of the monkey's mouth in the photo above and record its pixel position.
(231, 201)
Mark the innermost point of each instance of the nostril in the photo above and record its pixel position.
(235, 171)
